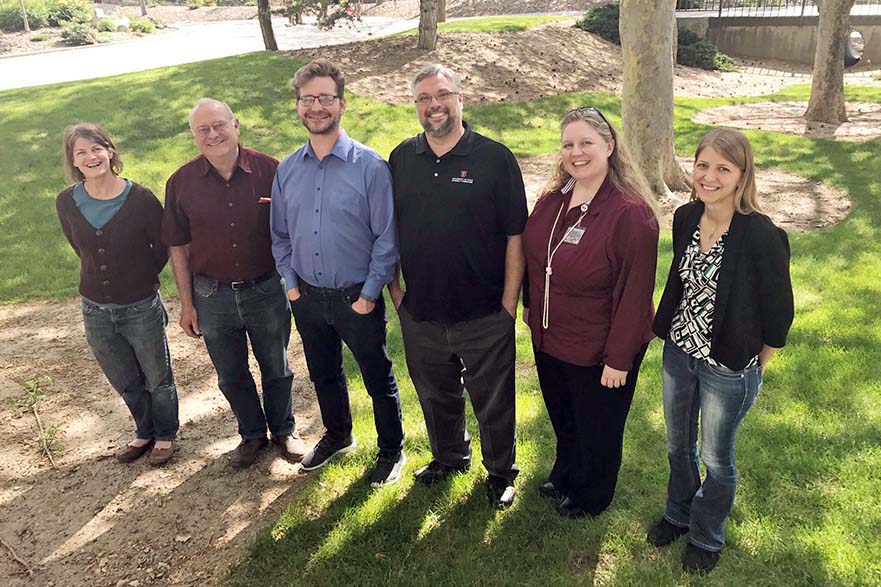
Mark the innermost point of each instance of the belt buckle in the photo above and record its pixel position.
(237, 285)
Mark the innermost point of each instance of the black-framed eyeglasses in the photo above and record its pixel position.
(591, 110)
(442, 97)
(323, 99)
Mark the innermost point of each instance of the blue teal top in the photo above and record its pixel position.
(99, 212)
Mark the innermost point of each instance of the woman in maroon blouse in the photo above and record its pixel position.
(591, 248)
(113, 225)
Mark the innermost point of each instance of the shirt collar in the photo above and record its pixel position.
(341, 148)
(243, 162)
(462, 148)
(600, 198)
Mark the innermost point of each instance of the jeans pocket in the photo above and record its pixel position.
(724, 372)
(146, 305)
(204, 287)
(269, 286)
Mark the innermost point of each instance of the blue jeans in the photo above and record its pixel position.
(130, 346)
(721, 397)
(325, 319)
(229, 319)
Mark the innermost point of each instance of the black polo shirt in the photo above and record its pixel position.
(454, 216)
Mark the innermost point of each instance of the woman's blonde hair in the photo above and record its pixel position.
(625, 177)
(91, 132)
(733, 146)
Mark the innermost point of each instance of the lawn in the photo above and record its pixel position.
(492, 24)
(810, 451)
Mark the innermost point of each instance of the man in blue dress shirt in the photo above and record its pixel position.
(334, 241)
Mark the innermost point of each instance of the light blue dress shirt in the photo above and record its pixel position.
(332, 220)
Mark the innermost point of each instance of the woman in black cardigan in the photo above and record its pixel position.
(726, 308)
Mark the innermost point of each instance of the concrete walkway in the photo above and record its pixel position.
(186, 43)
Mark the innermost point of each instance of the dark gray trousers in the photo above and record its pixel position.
(480, 354)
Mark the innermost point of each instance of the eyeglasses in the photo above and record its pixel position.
(323, 99)
(425, 99)
(218, 126)
(582, 110)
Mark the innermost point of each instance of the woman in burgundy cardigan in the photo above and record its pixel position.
(113, 226)
(591, 248)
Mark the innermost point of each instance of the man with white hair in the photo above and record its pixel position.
(216, 222)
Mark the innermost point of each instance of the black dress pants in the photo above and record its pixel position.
(588, 420)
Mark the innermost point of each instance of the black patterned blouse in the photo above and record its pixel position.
(692, 325)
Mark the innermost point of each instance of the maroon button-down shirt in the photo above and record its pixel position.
(225, 222)
(600, 305)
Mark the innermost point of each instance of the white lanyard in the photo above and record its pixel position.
(551, 253)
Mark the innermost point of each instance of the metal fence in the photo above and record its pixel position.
(768, 7)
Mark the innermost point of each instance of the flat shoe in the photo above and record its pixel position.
(132, 453)
(547, 489)
(570, 510)
(160, 456)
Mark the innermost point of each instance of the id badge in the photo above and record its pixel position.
(573, 236)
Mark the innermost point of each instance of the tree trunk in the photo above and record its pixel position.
(647, 33)
(264, 15)
(143, 7)
(427, 25)
(442, 10)
(24, 16)
(827, 84)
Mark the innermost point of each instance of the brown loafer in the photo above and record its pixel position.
(160, 456)
(247, 452)
(291, 447)
(130, 454)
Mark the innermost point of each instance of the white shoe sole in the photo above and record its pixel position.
(393, 478)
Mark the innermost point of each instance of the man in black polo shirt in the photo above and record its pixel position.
(461, 208)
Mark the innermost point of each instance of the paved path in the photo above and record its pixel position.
(187, 43)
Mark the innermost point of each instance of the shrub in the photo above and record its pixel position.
(10, 15)
(694, 51)
(691, 50)
(141, 25)
(603, 22)
(104, 37)
(78, 33)
(106, 25)
(40, 37)
(61, 11)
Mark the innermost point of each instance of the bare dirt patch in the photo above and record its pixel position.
(864, 123)
(794, 203)
(100, 523)
(462, 8)
(541, 61)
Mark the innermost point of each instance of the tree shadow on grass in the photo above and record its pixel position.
(407, 534)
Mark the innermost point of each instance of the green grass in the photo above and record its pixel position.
(809, 457)
(492, 24)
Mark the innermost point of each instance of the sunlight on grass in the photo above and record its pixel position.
(808, 454)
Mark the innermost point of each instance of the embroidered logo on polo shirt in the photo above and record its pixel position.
(463, 178)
